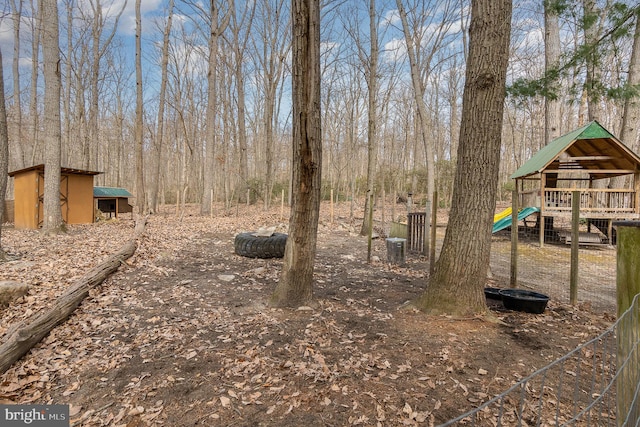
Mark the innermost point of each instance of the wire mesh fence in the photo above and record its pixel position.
(597, 384)
(546, 268)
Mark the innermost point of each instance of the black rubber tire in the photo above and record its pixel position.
(248, 245)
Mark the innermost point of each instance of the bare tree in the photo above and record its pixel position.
(32, 141)
(164, 65)
(16, 16)
(372, 137)
(239, 46)
(295, 287)
(421, 70)
(4, 153)
(457, 283)
(271, 48)
(217, 27)
(140, 190)
(53, 222)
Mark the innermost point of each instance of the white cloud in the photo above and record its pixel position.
(395, 50)
(392, 17)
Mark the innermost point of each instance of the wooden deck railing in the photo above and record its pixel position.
(592, 201)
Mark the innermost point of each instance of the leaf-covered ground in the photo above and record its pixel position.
(181, 334)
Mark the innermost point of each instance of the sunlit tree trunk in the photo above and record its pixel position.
(164, 64)
(239, 46)
(16, 13)
(31, 144)
(99, 46)
(215, 30)
(295, 287)
(457, 284)
(53, 222)
(140, 190)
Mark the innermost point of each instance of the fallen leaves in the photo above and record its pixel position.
(180, 335)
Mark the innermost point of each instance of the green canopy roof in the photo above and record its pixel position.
(589, 148)
(110, 192)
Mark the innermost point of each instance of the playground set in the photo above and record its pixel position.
(578, 163)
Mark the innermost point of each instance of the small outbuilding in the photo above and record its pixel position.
(112, 200)
(76, 196)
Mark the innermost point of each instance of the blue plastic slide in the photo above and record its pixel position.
(505, 222)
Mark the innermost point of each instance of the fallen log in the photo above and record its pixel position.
(21, 338)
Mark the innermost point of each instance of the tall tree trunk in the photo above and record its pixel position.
(31, 145)
(372, 143)
(551, 60)
(16, 15)
(239, 46)
(631, 116)
(295, 287)
(164, 65)
(456, 286)
(215, 31)
(53, 222)
(630, 132)
(591, 26)
(4, 152)
(140, 190)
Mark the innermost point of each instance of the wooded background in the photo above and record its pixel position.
(230, 136)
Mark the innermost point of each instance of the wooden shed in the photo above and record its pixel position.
(112, 200)
(76, 196)
(574, 162)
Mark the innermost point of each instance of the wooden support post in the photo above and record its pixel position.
(543, 185)
(575, 246)
(513, 273)
(248, 197)
(434, 217)
(636, 188)
(628, 287)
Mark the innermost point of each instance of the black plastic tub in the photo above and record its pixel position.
(524, 300)
(493, 293)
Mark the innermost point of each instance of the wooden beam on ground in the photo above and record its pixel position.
(20, 338)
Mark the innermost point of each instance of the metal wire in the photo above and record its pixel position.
(593, 399)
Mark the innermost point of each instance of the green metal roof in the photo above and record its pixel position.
(591, 131)
(107, 192)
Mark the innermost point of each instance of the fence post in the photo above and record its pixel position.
(627, 287)
(575, 246)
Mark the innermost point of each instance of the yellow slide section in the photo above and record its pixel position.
(505, 213)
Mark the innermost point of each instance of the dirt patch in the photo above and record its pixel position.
(182, 337)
